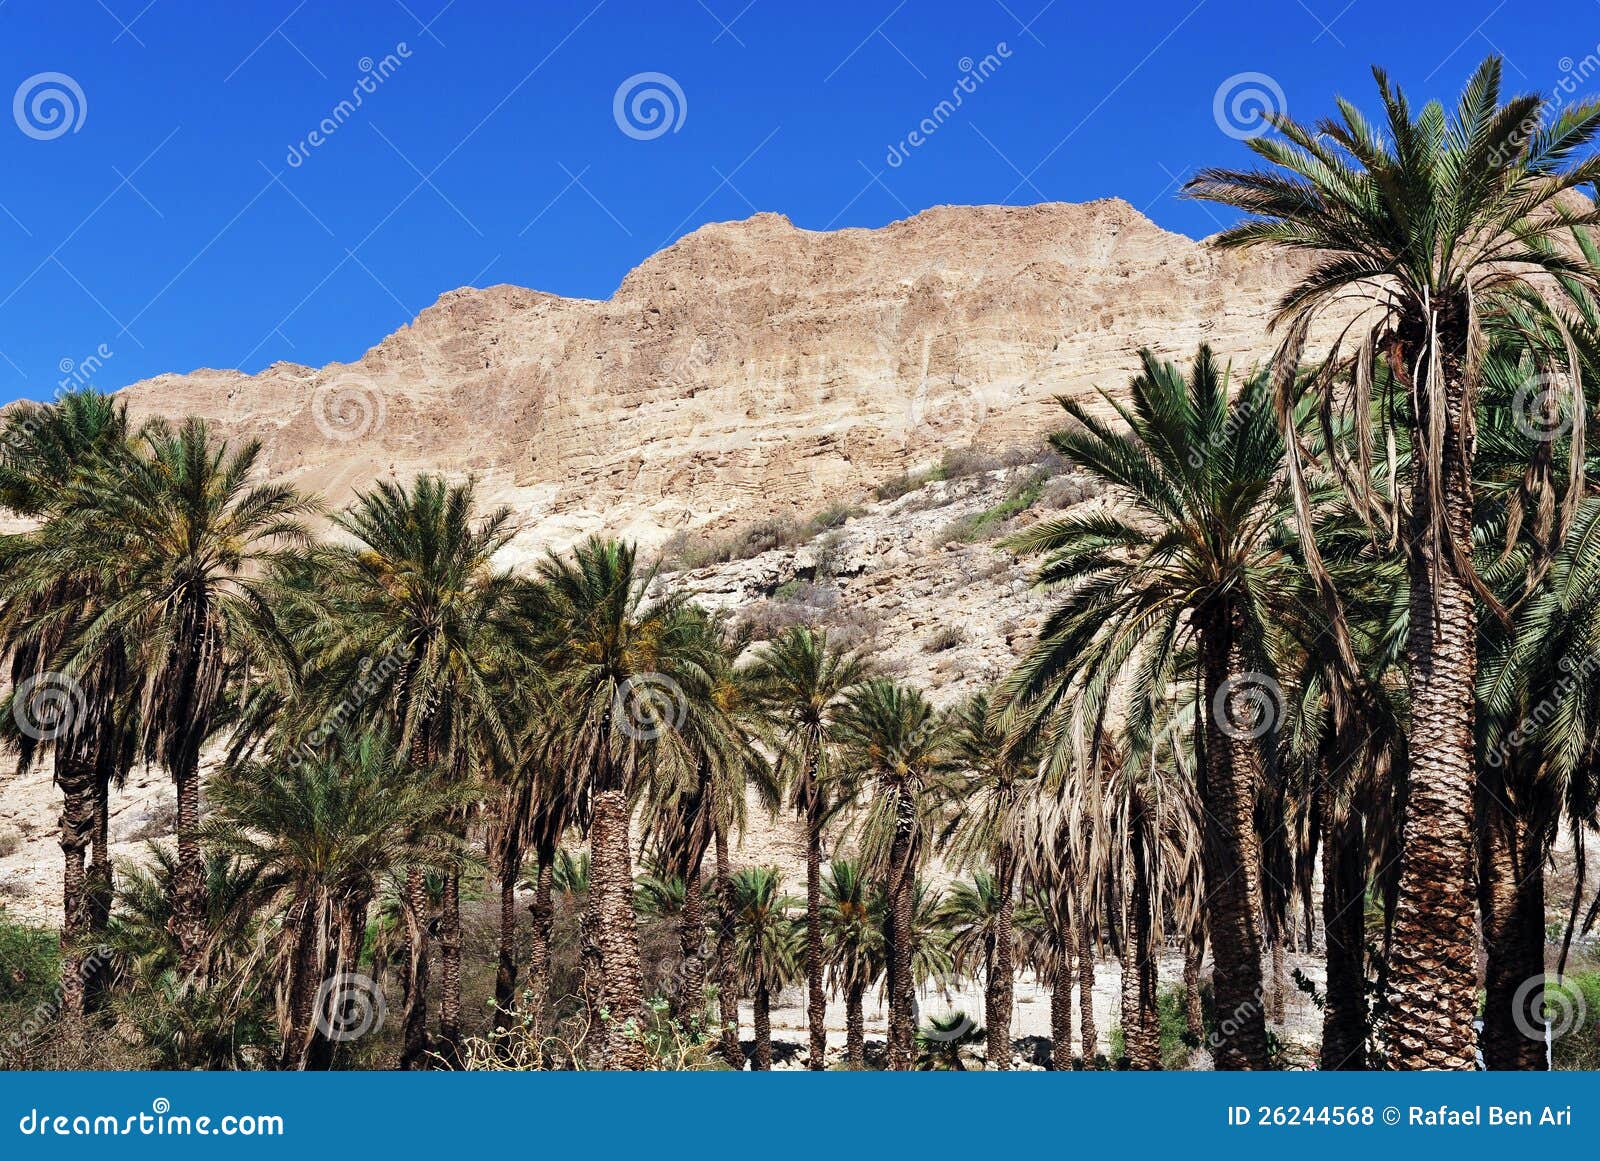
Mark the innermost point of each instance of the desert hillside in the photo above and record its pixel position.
(752, 369)
(837, 427)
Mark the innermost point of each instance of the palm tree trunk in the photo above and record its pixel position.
(902, 900)
(414, 1039)
(1086, 1025)
(450, 973)
(1511, 895)
(543, 911)
(76, 779)
(1061, 1012)
(189, 883)
(305, 978)
(855, 1024)
(505, 973)
(1344, 890)
(727, 975)
(691, 996)
(1193, 1011)
(1229, 778)
(616, 930)
(1432, 982)
(98, 890)
(999, 987)
(1140, 1019)
(763, 1023)
(816, 999)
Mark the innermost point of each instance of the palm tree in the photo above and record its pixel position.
(696, 808)
(892, 735)
(1436, 227)
(983, 923)
(803, 681)
(325, 831)
(413, 611)
(767, 947)
(1000, 774)
(180, 540)
(854, 945)
(81, 720)
(1190, 556)
(623, 668)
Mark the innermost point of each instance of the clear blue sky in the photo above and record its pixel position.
(169, 228)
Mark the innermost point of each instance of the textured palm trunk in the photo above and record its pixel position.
(816, 998)
(855, 1028)
(902, 886)
(505, 972)
(1229, 778)
(616, 931)
(1511, 896)
(1061, 1013)
(1193, 1011)
(727, 974)
(414, 1035)
(543, 910)
(450, 973)
(1431, 999)
(1086, 1025)
(76, 779)
(998, 990)
(189, 884)
(1344, 890)
(305, 977)
(99, 892)
(1140, 1020)
(763, 1026)
(691, 997)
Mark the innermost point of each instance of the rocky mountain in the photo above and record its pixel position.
(751, 369)
(835, 404)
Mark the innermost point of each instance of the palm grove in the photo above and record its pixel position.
(1333, 622)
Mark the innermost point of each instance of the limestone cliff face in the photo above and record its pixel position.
(750, 369)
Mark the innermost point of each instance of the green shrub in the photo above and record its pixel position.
(30, 963)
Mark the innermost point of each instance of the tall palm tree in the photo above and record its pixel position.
(180, 539)
(324, 832)
(999, 775)
(1190, 556)
(767, 946)
(698, 807)
(854, 944)
(892, 735)
(623, 668)
(1434, 226)
(412, 610)
(803, 680)
(80, 721)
